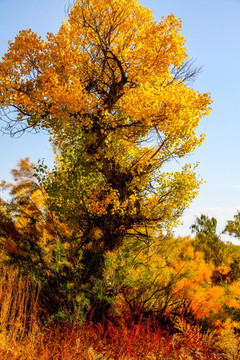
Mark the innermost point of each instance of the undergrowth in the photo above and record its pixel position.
(22, 337)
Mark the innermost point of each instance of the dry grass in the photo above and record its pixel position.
(18, 314)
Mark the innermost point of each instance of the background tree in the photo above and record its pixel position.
(206, 239)
(233, 226)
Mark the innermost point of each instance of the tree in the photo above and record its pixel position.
(233, 226)
(112, 89)
(207, 240)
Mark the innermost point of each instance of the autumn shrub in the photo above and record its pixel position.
(170, 280)
(40, 246)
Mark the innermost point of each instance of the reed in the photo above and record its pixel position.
(19, 327)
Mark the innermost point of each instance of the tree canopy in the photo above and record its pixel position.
(111, 89)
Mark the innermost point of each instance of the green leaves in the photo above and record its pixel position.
(233, 226)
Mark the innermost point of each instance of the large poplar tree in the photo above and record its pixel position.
(113, 89)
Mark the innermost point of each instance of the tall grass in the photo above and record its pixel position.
(18, 313)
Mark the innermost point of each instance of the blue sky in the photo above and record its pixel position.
(212, 30)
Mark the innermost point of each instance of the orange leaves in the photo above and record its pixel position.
(98, 200)
(234, 299)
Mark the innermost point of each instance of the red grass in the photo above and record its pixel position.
(118, 341)
(124, 342)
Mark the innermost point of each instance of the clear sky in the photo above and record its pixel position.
(212, 30)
